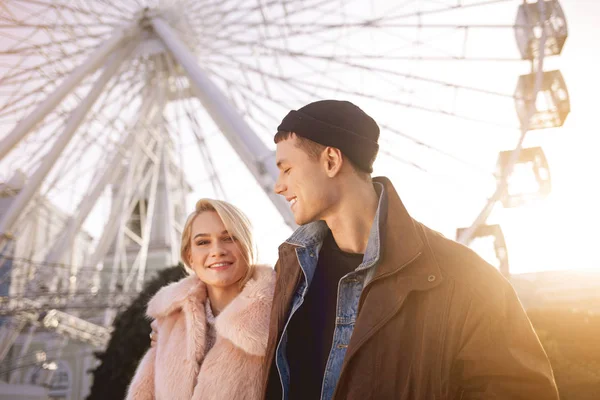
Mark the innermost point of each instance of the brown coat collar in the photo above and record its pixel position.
(401, 241)
(398, 272)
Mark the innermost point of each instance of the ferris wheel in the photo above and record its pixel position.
(113, 113)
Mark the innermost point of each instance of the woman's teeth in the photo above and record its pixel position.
(219, 265)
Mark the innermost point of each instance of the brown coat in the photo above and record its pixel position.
(436, 322)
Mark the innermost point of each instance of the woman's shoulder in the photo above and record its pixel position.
(263, 272)
(245, 321)
(172, 297)
(262, 282)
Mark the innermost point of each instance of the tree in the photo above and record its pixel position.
(129, 342)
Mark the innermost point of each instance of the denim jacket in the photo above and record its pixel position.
(309, 239)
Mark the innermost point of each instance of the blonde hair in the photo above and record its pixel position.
(236, 223)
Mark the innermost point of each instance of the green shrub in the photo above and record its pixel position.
(129, 342)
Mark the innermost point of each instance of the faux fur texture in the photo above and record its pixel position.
(179, 368)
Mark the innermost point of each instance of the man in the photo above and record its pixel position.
(371, 304)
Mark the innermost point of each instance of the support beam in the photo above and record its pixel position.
(72, 327)
(9, 334)
(48, 161)
(169, 221)
(15, 375)
(124, 194)
(119, 210)
(253, 152)
(97, 58)
(57, 356)
(112, 171)
(149, 219)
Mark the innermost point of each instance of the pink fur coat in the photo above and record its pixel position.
(179, 368)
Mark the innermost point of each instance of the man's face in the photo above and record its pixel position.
(302, 181)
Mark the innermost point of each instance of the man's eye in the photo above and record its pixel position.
(287, 171)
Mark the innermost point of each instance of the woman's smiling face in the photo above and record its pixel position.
(215, 255)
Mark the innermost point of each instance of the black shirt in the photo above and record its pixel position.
(310, 331)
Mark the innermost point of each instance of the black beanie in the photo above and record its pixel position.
(338, 124)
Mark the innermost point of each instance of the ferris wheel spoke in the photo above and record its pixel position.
(243, 13)
(37, 91)
(26, 162)
(278, 103)
(34, 96)
(58, 27)
(47, 63)
(248, 81)
(113, 12)
(124, 98)
(205, 153)
(244, 26)
(87, 141)
(387, 128)
(33, 49)
(223, 13)
(302, 86)
(67, 175)
(67, 6)
(375, 24)
(201, 13)
(248, 95)
(122, 9)
(453, 8)
(13, 9)
(69, 158)
(303, 28)
(373, 68)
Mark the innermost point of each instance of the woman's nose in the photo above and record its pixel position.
(217, 250)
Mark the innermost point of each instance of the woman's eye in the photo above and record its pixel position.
(229, 239)
(201, 242)
(287, 171)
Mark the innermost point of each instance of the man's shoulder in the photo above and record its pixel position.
(464, 268)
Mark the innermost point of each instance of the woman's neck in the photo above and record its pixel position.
(221, 297)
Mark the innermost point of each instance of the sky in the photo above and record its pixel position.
(557, 233)
(444, 181)
(560, 232)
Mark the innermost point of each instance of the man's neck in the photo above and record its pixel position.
(351, 220)
(221, 297)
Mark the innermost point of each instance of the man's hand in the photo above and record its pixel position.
(153, 334)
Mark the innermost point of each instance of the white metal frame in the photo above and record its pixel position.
(257, 157)
(96, 59)
(467, 234)
(48, 161)
(149, 160)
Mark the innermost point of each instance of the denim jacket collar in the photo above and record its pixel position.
(313, 234)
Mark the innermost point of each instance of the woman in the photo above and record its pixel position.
(212, 326)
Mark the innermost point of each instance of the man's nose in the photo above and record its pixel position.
(279, 187)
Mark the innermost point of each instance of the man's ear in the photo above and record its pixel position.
(333, 161)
